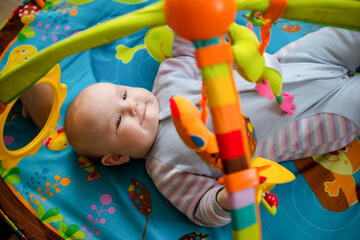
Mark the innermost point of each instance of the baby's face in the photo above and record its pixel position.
(123, 120)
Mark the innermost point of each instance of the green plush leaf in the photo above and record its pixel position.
(40, 211)
(77, 235)
(26, 29)
(62, 229)
(55, 218)
(3, 171)
(70, 233)
(14, 171)
(12, 179)
(21, 37)
(72, 229)
(29, 34)
(52, 215)
(12, 175)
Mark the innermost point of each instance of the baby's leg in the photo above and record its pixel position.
(333, 47)
(319, 72)
(37, 103)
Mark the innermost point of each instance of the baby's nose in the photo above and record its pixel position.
(133, 108)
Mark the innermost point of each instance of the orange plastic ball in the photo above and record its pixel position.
(200, 19)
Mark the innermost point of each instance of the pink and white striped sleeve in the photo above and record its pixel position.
(194, 195)
(182, 61)
(310, 136)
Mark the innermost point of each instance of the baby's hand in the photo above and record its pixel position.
(222, 199)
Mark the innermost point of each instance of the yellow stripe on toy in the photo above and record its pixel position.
(221, 92)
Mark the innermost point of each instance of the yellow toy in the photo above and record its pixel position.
(57, 140)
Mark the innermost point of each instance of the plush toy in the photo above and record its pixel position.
(251, 65)
(195, 135)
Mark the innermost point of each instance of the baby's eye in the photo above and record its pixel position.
(125, 95)
(118, 122)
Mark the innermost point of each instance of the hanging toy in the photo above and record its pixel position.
(255, 66)
(195, 135)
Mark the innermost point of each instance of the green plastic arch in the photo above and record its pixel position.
(17, 80)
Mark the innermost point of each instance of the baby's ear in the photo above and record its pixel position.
(114, 159)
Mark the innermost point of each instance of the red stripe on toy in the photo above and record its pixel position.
(230, 145)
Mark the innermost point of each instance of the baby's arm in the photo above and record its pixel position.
(182, 63)
(192, 194)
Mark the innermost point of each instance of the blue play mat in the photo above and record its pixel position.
(76, 199)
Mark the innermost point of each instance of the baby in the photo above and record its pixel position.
(115, 123)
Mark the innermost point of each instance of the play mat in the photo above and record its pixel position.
(57, 194)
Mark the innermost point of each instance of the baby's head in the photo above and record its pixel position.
(112, 122)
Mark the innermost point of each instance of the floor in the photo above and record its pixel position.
(7, 7)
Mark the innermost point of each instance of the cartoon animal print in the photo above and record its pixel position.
(330, 176)
(158, 42)
(18, 55)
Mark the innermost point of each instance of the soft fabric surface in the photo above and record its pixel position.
(80, 200)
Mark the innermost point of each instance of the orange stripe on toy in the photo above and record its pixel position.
(241, 180)
(226, 118)
(276, 9)
(221, 90)
(214, 54)
(230, 145)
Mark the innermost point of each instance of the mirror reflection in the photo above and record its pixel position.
(28, 116)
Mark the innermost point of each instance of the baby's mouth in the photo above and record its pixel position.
(142, 115)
